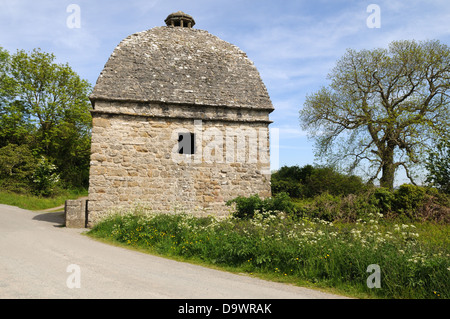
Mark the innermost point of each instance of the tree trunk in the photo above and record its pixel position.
(388, 169)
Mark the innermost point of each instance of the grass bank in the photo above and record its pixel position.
(36, 203)
(412, 262)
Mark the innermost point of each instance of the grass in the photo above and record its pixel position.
(36, 203)
(414, 259)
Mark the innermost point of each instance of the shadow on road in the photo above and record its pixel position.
(56, 218)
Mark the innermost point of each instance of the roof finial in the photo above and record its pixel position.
(180, 19)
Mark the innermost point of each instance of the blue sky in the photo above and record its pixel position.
(294, 44)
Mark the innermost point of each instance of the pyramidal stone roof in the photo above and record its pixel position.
(179, 64)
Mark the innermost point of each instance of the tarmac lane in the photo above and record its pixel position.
(42, 259)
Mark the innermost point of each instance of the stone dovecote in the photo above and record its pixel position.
(159, 85)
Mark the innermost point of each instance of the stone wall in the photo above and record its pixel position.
(135, 159)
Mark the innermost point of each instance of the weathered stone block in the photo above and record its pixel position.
(75, 213)
(100, 122)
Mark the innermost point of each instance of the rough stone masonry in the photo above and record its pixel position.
(180, 123)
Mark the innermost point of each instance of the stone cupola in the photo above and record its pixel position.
(180, 19)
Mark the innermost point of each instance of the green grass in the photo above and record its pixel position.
(414, 259)
(36, 203)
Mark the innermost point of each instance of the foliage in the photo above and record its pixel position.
(295, 250)
(17, 166)
(45, 107)
(408, 203)
(291, 180)
(6, 84)
(382, 108)
(383, 198)
(407, 198)
(438, 166)
(326, 179)
(45, 178)
(309, 181)
(246, 207)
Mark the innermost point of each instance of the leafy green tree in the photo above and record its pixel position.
(291, 180)
(5, 83)
(17, 166)
(382, 108)
(13, 127)
(52, 94)
(309, 181)
(45, 105)
(438, 166)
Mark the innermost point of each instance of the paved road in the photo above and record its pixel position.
(36, 255)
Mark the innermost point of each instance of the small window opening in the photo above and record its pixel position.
(186, 143)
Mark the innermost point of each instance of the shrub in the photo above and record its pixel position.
(408, 203)
(309, 181)
(45, 178)
(435, 207)
(356, 207)
(407, 198)
(325, 207)
(291, 180)
(383, 198)
(17, 165)
(279, 203)
(294, 188)
(247, 206)
(327, 179)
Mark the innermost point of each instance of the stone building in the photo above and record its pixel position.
(180, 123)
